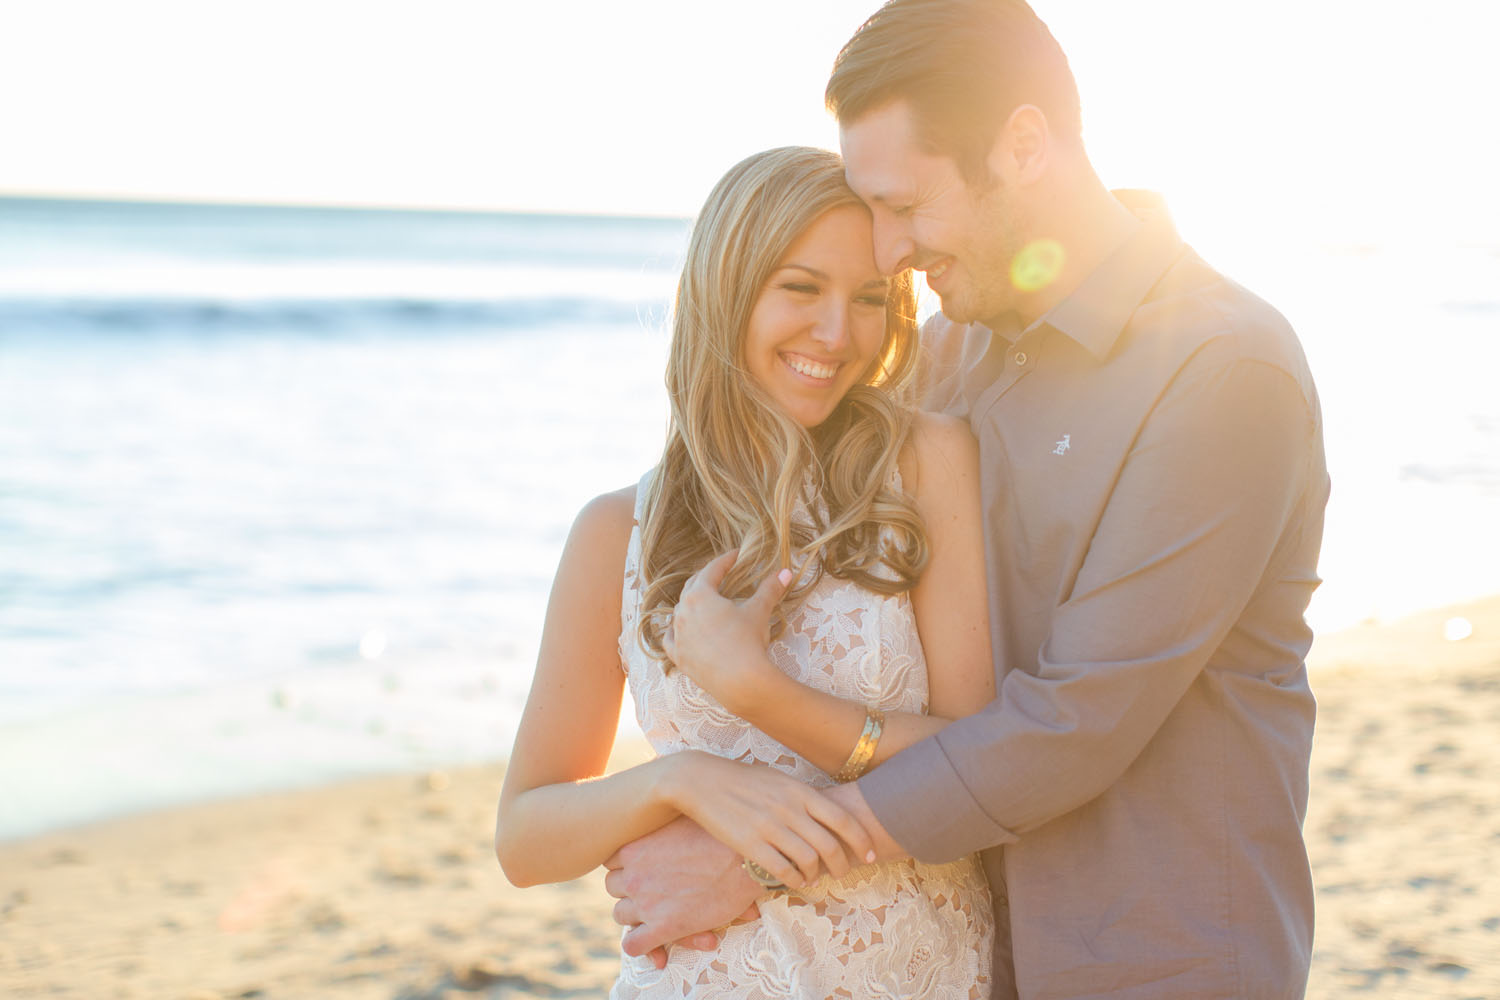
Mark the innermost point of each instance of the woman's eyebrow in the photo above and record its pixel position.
(820, 275)
(881, 282)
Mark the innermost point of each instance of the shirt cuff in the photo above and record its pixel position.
(923, 803)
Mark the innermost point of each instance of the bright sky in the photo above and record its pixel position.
(1357, 117)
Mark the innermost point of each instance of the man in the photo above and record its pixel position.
(1153, 489)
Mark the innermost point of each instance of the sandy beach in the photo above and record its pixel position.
(387, 888)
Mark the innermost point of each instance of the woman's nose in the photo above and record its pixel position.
(832, 329)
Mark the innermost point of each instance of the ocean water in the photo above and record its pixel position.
(282, 489)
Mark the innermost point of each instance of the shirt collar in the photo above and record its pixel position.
(1098, 310)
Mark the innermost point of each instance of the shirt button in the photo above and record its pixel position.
(1020, 357)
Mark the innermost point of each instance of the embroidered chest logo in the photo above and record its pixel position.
(1063, 445)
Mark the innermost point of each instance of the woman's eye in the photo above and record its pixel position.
(800, 287)
(873, 300)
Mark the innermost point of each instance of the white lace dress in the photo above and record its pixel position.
(898, 929)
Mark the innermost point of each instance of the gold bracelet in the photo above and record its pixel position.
(763, 876)
(864, 751)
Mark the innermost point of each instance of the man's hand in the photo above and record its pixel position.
(675, 886)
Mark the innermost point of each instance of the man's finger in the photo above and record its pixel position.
(642, 939)
(614, 883)
(702, 941)
(627, 913)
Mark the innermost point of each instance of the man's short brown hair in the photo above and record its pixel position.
(964, 66)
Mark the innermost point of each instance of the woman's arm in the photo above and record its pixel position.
(543, 833)
(951, 600)
(722, 644)
(558, 819)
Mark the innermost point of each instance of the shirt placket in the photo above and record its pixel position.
(1004, 364)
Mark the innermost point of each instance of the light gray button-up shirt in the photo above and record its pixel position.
(1153, 485)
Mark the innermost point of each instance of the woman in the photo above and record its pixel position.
(794, 444)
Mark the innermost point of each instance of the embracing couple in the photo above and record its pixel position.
(973, 657)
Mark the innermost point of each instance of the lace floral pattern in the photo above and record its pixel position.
(900, 929)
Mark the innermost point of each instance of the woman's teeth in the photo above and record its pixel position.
(809, 368)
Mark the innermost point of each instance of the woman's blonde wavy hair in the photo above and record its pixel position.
(736, 466)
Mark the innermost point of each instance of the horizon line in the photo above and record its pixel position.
(408, 207)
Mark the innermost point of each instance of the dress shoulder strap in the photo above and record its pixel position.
(630, 592)
(641, 486)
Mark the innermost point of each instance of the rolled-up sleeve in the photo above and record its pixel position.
(1191, 527)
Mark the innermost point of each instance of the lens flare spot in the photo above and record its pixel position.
(1455, 629)
(1037, 265)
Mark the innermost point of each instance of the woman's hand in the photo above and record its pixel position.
(790, 829)
(720, 643)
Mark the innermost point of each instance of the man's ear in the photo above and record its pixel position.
(1023, 149)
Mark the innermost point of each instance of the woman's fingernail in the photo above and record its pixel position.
(785, 576)
(870, 858)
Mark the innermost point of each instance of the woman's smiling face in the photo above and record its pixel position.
(820, 320)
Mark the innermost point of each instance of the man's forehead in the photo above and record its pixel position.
(881, 151)
(890, 125)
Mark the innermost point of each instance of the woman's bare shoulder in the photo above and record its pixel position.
(601, 532)
(611, 510)
(940, 453)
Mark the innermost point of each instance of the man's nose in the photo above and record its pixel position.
(893, 247)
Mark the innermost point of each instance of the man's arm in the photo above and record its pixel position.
(1189, 530)
(675, 886)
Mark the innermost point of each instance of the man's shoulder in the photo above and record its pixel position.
(1208, 320)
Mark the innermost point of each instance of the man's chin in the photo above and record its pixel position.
(956, 309)
(965, 310)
